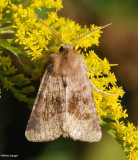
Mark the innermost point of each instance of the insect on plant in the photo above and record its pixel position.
(65, 104)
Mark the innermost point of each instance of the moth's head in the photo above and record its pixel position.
(66, 47)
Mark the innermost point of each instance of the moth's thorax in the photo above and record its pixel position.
(67, 61)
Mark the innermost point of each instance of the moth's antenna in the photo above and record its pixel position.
(48, 28)
(91, 32)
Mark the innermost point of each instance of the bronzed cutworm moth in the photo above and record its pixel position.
(65, 104)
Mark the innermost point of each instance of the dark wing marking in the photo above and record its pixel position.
(81, 120)
(45, 120)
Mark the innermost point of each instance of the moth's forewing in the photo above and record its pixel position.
(45, 120)
(81, 119)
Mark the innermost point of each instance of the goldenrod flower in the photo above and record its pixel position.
(8, 84)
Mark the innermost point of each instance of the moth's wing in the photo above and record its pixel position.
(81, 120)
(45, 120)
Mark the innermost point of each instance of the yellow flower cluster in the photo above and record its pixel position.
(37, 41)
(3, 4)
(46, 3)
(129, 136)
(6, 64)
(108, 106)
(38, 38)
(7, 69)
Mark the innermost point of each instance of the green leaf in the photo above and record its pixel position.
(30, 102)
(20, 79)
(17, 52)
(26, 67)
(14, 50)
(18, 95)
(28, 89)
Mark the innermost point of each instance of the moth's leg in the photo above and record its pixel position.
(87, 68)
(99, 90)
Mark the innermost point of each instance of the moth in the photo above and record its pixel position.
(65, 105)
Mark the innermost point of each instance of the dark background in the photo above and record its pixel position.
(119, 44)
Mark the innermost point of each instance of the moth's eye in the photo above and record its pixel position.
(61, 49)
